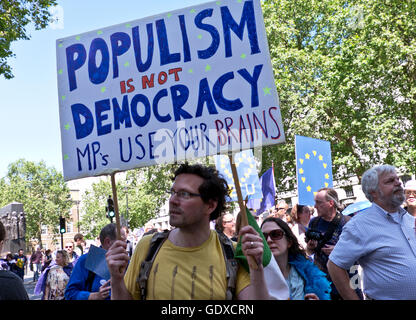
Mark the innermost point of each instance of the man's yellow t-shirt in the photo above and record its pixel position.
(179, 273)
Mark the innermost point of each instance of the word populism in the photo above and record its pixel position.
(122, 42)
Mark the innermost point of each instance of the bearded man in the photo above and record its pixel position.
(382, 240)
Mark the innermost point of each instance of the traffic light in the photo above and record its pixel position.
(62, 225)
(110, 209)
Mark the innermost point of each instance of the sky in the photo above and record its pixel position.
(29, 112)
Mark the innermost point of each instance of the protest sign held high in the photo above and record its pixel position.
(185, 84)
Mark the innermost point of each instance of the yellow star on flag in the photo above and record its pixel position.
(303, 179)
(314, 153)
(308, 188)
(326, 176)
(307, 156)
(321, 157)
(324, 164)
(301, 171)
(301, 161)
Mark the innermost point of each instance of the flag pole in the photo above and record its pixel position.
(114, 189)
(274, 184)
(244, 222)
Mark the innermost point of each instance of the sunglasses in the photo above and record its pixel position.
(274, 234)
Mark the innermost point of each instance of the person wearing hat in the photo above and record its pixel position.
(410, 194)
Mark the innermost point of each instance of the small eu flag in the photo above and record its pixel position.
(247, 174)
(313, 167)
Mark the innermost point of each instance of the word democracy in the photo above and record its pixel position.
(139, 109)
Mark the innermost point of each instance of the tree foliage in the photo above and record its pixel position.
(345, 72)
(15, 16)
(43, 192)
(143, 190)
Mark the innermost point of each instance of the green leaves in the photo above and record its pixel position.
(346, 73)
(142, 190)
(42, 191)
(14, 17)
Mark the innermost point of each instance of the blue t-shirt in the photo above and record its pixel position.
(322, 226)
(321, 259)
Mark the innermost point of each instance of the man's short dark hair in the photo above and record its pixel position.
(214, 187)
(78, 236)
(109, 231)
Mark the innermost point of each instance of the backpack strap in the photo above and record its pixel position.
(231, 264)
(156, 243)
(145, 267)
(330, 231)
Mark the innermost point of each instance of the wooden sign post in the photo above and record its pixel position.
(244, 222)
(116, 211)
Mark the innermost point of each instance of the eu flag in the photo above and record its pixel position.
(313, 167)
(247, 174)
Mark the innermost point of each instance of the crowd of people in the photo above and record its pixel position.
(319, 251)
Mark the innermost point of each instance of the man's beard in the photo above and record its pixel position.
(396, 199)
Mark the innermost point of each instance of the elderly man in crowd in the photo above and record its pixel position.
(382, 239)
(226, 224)
(410, 194)
(280, 210)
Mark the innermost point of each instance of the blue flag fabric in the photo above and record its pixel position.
(96, 262)
(247, 174)
(313, 166)
(268, 187)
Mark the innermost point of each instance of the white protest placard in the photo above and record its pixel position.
(180, 85)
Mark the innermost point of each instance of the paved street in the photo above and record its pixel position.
(30, 286)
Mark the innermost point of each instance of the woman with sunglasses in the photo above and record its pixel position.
(305, 280)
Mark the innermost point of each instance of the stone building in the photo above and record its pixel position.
(14, 220)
